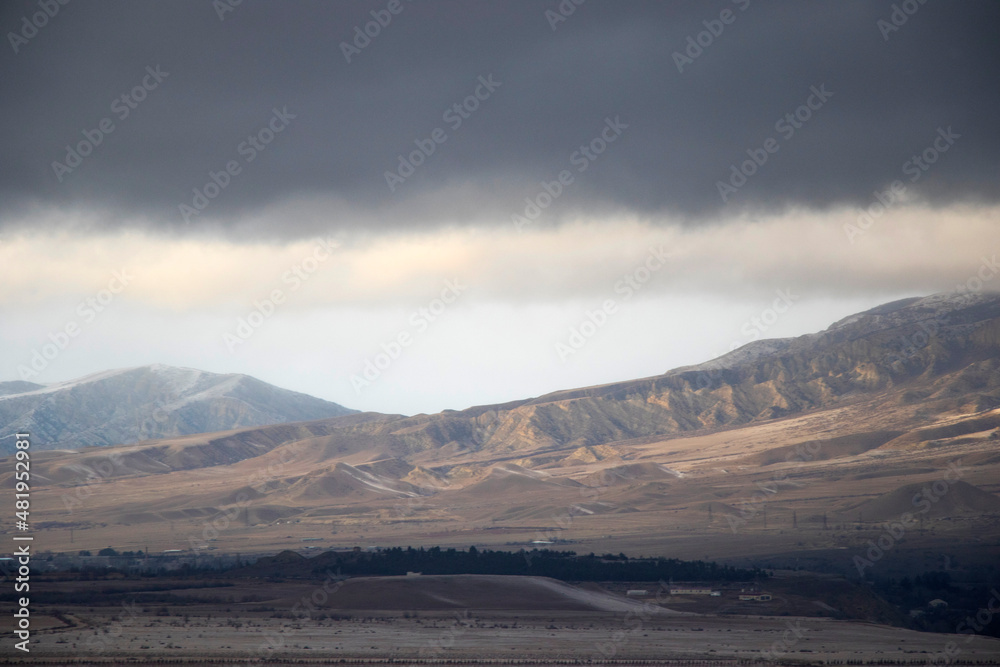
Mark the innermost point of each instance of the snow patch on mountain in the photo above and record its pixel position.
(126, 405)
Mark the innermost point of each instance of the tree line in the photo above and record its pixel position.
(563, 565)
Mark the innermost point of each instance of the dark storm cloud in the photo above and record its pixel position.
(222, 80)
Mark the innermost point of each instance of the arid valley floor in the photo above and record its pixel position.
(534, 620)
(867, 490)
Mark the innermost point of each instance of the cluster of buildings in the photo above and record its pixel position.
(748, 593)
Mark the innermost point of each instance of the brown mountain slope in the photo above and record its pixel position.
(653, 461)
(937, 350)
(925, 499)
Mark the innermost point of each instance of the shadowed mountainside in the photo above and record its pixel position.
(814, 426)
(938, 351)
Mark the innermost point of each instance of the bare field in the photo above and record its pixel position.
(733, 495)
(227, 632)
(470, 618)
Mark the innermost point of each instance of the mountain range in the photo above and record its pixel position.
(132, 404)
(802, 443)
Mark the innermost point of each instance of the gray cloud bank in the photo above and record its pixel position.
(208, 84)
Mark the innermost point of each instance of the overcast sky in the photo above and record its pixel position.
(292, 189)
